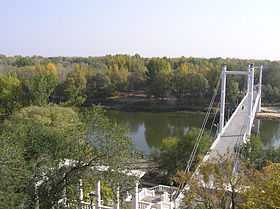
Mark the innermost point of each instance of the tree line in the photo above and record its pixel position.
(84, 81)
(45, 151)
(254, 185)
(38, 138)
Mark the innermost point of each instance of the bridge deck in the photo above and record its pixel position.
(232, 134)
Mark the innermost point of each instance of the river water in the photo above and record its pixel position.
(147, 129)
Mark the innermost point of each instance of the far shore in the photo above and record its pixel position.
(139, 102)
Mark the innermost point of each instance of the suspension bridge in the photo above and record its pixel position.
(236, 130)
(231, 134)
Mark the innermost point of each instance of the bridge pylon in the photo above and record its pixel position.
(250, 93)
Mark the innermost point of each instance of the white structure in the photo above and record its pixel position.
(250, 94)
(231, 133)
(238, 128)
(158, 197)
(97, 193)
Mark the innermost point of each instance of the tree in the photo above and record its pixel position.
(75, 85)
(257, 155)
(136, 80)
(158, 77)
(264, 189)
(180, 85)
(10, 93)
(233, 91)
(12, 174)
(51, 69)
(39, 83)
(268, 93)
(99, 86)
(137, 73)
(47, 136)
(198, 84)
(57, 146)
(23, 61)
(215, 186)
(118, 76)
(174, 152)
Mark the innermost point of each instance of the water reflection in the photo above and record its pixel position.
(148, 129)
(270, 133)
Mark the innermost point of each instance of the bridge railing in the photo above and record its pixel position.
(144, 205)
(255, 107)
(87, 205)
(240, 106)
(164, 188)
(146, 192)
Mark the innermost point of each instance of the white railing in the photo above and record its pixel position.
(164, 205)
(240, 106)
(164, 188)
(144, 205)
(106, 207)
(146, 192)
(165, 197)
(87, 205)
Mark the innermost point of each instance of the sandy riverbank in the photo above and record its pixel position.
(269, 113)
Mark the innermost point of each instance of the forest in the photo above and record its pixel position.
(83, 81)
(49, 141)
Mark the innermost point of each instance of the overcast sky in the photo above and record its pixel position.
(198, 28)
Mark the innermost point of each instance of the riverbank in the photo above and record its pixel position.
(268, 116)
(269, 113)
(140, 102)
(151, 106)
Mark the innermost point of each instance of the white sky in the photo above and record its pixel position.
(198, 28)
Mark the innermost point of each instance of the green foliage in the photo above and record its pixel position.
(198, 84)
(220, 187)
(23, 61)
(271, 94)
(75, 85)
(46, 136)
(106, 193)
(13, 174)
(174, 152)
(158, 77)
(180, 85)
(94, 79)
(85, 81)
(257, 155)
(249, 189)
(56, 146)
(118, 76)
(99, 86)
(264, 189)
(38, 83)
(233, 91)
(39, 88)
(10, 93)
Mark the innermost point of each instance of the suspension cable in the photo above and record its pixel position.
(214, 119)
(198, 139)
(201, 132)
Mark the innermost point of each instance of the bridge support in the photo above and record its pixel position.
(135, 201)
(250, 92)
(98, 195)
(81, 192)
(223, 98)
(260, 90)
(117, 204)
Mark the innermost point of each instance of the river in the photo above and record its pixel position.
(147, 129)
